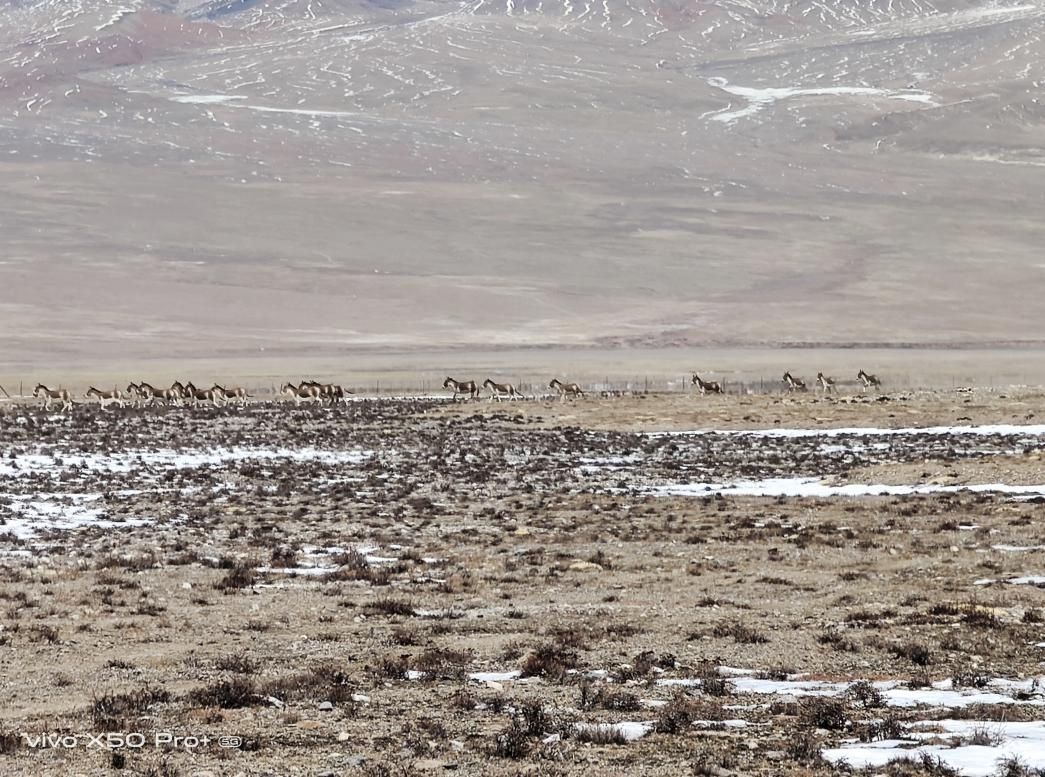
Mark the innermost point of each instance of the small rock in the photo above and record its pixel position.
(326, 706)
(343, 736)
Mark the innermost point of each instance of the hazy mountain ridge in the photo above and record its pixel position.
(525, 171)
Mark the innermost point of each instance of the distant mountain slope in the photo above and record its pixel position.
(225, 175)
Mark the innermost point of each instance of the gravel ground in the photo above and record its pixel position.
(411, 587)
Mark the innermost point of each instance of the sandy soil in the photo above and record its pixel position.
(457, 539)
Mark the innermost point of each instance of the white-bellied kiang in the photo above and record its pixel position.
(105, 398)
(302, 393)
(48, 395)
(869, 381)
(135, 394)
(462, 387)
(565, 389)
(180, 391)
(214, 394)
(825, 383)
(149, 393)
(237, 393)
(706, 386)
(500, 390)
(328, 392)
(793, 383)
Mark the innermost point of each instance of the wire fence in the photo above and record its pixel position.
(614, 385)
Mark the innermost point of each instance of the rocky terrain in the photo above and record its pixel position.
(418, 586)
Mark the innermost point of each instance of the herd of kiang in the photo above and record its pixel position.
(144, 394)
(469, 389)
(793, 384)
(147, 395)
(828, 385)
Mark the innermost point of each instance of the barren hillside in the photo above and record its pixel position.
(215, 178)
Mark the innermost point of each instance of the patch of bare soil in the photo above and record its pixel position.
(648, 412)
(414, 587)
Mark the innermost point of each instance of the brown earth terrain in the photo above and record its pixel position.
(326, 586)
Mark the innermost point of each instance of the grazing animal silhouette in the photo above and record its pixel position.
(869, 381)
(301, 393)
(500, 390)
(706, 386)
(105, 398)
(462, 387)
(59, 395)
(826, 383)
(565, 389)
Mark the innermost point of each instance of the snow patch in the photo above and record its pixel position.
(758, 99)
(939, 694)
(1025, 741)
(628, 730)
(206, 99)
(39, 513)
(815, 488)
(1026, 430)
(55, 463)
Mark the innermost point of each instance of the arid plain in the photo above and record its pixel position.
(642, 580)
(413, 586)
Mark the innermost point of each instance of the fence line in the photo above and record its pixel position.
(748, 385)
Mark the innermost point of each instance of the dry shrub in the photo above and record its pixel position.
(511, 742)
(740, 632)
(110, 711)
(442, 664)
(600, 734)
(551, 661)
(677, 715)
(823, 712)
(229, 694)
